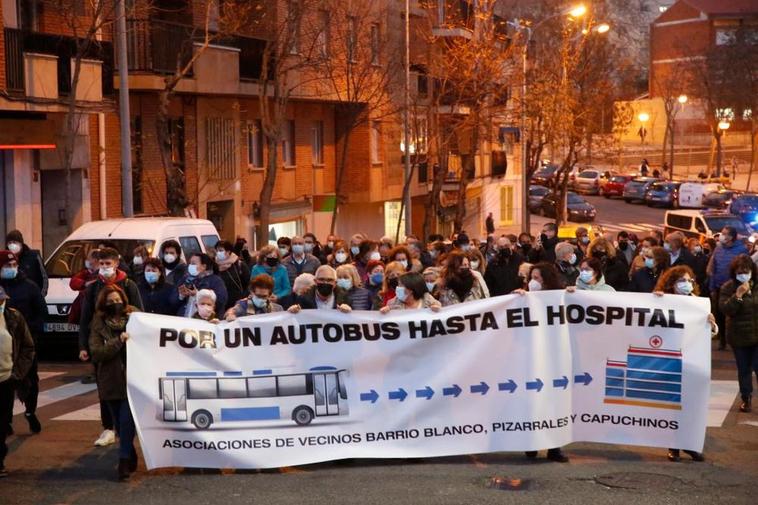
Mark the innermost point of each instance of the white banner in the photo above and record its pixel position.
(512, 373)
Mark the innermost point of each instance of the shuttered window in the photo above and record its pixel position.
(220, 148)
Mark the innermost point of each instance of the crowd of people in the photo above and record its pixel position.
(355, 273)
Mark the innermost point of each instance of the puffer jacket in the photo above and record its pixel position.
(741, 316)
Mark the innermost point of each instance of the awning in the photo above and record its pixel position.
(26, 134)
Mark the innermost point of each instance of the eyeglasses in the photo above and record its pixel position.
(325, 281)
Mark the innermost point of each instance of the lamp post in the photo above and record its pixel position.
(723, 127)
(643, 117)
(681, 100)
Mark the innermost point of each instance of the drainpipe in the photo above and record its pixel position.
(101, 163)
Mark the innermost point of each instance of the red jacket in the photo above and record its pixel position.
(79, 281)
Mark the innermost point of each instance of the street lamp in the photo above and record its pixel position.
(724, 125)
(643, 117)
(578, 11)
(682, 99)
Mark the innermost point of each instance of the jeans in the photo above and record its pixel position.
(30, 402)
(6, 416)
(122, 417)
(106, 418)
(747, 363)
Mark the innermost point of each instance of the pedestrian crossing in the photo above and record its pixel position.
(639, 229)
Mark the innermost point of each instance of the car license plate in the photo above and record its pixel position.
(61, 328)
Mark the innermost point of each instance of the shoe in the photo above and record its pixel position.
(673, 455)
(133, 461)
(531, 454)
(88, 379)
(34, 424)
(746, 405)
(557, 455)
(3, 471)
(123, 469)
(696, 456)
(107, 437)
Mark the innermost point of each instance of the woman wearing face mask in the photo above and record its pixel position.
(200, 275)
(258, 302)
(340, 255)
(680, 280)
(107, 343)
(392, 273)
(154, 290)
(233, 272)
(699, 264)
(81, 281)
(137, 266)
(411, 293)
(205, 306)
(368, 251)
(174, 268)
(458, 284)
(656, 260)
(638, 262)
(590, 277)
(348, 280)
(478, 268)
(614, 266)
(431, 276)
(375, 283)
(403, 256)
(738, 300)
(269, 263)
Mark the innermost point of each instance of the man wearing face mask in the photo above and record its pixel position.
(566, 263)
(501, 274)
(300, 261)
(29, 260)
(547, 243)
(258, 302)
(625, 246)
(171, 256)
(26, 298)
(108, 275)
(324, 295)
(527, 250)
(718, 273)
(679, 254)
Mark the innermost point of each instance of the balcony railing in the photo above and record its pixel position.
(456, 14)
(18, 42)
(160, 46)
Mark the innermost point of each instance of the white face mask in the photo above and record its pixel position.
(345, 284)
(340, 257)
(205, 311)
(221, 255)
(404, 263)
(376, 256)
(14, 247)
(137, 260)
(572, 259)
(475, 265)
(401, 293)
(534, 285)
(107, 272)
(169, 258)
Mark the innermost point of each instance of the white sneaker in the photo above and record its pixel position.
(107, 437)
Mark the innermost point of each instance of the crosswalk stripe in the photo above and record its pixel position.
(49, 375)
(721, 401)
(750, 423)
(89, 413)
(57, 394)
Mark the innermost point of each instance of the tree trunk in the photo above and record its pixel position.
(433, 198)
(176, 189)
(267, 193)
(665, 141)
(406, 190)
(460, 207)
(339, 176)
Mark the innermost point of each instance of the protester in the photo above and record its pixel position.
(349, 281)
(403, 256)
(312, 247)
(16, 358)
(411, 293)
(699, 264)
(340, 254)
(200, 275)
(258, 301)
(375, 280)
(25, 297)
(644, 280)
(615, 268)
(431, 276)
(240, 249)
(367, 251)
(303, 283)
(565, 262)
(501, 274)
(738, 301)
(324, 295)
(136, 267)
(643, 251)
(718, 271)
(206, 306)
(458, 284)
(679, 254)
(174, 268)
(385, 247)
(544, 276)
(234, 273)
(79, 282)
(284, 245)
(625, 247)
(299, 261)
(29, 260)
(107, 344)
(419, 253)
(590, 277)
(546, 245)
(355, 245)
(392, 273)
(155, 292)
(269, 263)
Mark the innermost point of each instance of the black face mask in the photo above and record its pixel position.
(114, 309)
(324, 289)
(598, 253)
(526, 247)
(623, 245)
(505, 253)
(392, 283)
(272, 262)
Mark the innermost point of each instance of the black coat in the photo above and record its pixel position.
(569, 273)
(26, 297)
(156, 298)
(547, 251)
(501, 275)
(236, 279)
(616, 272)
(308, 299)
(685, 259)
(30, 263)
(699, 266)
(643, 281)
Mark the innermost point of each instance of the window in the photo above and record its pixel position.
(261, 387)
(506, 204)
(190, 246)
(317, 143)
(232, 388)
(681, 222)
(376, 142)
(254, 144)
(419, 134)
(209, 241)
(69, 258)
(322, 41)
(375, 44)
(220, 148)
(292, 385)
(352, 39)
(202, 389)
(288, 144)
(422, 85)
(293, 20)
(726, 36)
(499, 163)
(699, 226)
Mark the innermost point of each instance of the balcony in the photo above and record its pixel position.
(156, 46)
(27, 53)
(455, 18)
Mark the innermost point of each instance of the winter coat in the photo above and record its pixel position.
(157, 298)
(30, 262)
(501, 275)
(741, 316)
(236, 277)
(109, 354)
(246, 307)
(26, 297)
(309, 266)
(282, 285)
(643, 281)
(569, 273)
(360, 298)
(449, 297)
(79, 283)
(175, 275)
(426, 302)
(308, 299)
(600, 285)
(90, 299)
(23, 344)
(721, 258)
(209, 281)
(616, 272)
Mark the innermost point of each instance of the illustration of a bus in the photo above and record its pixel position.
(205, 398)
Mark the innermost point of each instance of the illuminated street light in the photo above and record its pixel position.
(578, 11)
(724, 125)
(682, 99)
(603, 28)
(644, 116)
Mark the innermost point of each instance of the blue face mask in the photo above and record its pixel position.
(192, 270)
(743, 278)
(221, 255)
(649, 263)
(259, 302)
(355, 250)
(377, 278)
(152, 277)
(345, 284)
(586, 276)
(401, 293)
(8, 273)
(2, 308)
(430, 286)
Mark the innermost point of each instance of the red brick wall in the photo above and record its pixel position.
(94, 168)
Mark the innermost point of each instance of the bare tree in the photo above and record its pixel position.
(670, 87)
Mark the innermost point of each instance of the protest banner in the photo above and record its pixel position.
(511, 373)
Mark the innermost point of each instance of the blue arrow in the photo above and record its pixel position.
(400, 394)
(371, 396)
(482, 387)
(583, 379)
(509, 386)
(535, 385)
(453, 391)
(425, 393)
(561, 383)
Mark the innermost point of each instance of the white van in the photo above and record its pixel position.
(194, 235)
(692, 194)
(702, 224)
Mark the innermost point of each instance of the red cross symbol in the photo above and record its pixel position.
(656, 341)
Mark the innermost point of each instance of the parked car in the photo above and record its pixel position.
(614, 185)
(703, 224)
(588, 181)
(578, 208)
(545, 175)
(536, 194)
(664, 193)
(746, 207)
(721, 199)
(194, 235)
(634, 190)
